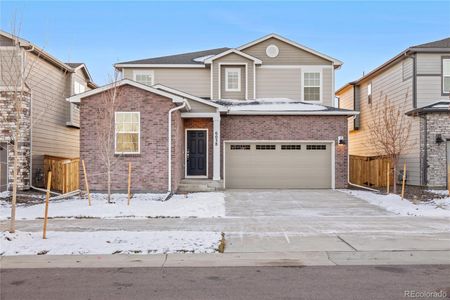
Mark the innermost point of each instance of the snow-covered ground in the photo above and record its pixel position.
(201, 205)
(108, 242)
(395, 204)
(4, 194)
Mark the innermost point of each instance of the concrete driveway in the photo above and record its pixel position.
(298, 203)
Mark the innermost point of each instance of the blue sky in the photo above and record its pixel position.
(362, 34)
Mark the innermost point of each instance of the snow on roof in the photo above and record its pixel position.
(202, 58)
(269, 104)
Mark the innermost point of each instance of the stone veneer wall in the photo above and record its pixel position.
(437, 123)
(7, 131)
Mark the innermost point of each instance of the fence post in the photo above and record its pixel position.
(403, 179)
(86, 182)
(47, 197)
(387, 177)
(129, 183)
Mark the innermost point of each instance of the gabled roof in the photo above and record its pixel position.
(177, 59)
(292, 43)
(210, 59)
(436, 46)
(76, 98)
(76, 66)
(438, 106)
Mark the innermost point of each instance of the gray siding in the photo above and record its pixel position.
(193, 81)
(278, 83)
(197, 107)
(289, 55)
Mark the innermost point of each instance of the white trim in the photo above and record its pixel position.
(444, 76)
(232, 64)
(292, 43)
(144, 72)
(294, 66)
(235, 51)
(294, 113)
(211, 96)
(139, 133)
(159, 66)
(198, 115)
(77, 98)
(232, 70)
(311, 69)
(333, 96)
(188, 96)
(216, 147)
(185, 153)
(169, 146)
(331, 142)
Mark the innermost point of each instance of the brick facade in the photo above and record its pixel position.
(436, 153)
(291, 128)
(7, 131)
(149, 168)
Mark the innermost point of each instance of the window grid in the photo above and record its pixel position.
(446, 75)
(291, 147)
(127, 132)
(265, 147)
(233, 79)
(240, 147)
(316, 147)
(311, 83)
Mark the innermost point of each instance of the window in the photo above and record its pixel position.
(311, 86)
(369, 93)
(446, 76)
(240, 147)
(291, 147)
(233, 79)
(316, 147)
(127, 132)
(78, 88)
(144, 77)
(265, 147)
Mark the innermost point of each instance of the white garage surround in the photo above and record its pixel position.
(330, 143)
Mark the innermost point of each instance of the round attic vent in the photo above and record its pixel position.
(272, 51)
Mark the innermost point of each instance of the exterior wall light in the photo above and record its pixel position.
(341, 140)
(439, 138)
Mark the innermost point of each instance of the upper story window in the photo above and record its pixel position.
(369, 93)
(446, 76)
(232, 79)
(78, 88)
(127, 132)
(144, 76)
(312, 86)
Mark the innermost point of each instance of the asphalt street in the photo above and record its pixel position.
(334, 282)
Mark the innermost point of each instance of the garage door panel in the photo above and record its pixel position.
(295, 167)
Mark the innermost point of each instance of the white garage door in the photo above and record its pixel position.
(278, 165)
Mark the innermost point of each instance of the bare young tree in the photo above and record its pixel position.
(389, 131)
(104, 122)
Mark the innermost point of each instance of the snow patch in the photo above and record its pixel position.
(4, 194)
(202, 58)
(201, 205)
(108, 242)
(268, 104)
(395, 204)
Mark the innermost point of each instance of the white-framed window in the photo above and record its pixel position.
(232, 79)
(127, 134)
(144, 76)
(312, 86)
(78, 88)
(369, 93)
(446, 76)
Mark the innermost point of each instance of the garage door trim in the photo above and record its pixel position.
(330, 142)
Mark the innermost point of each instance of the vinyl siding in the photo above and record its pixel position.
(232, 58)
(278, 83)
(197, 107)
(232, 95)
(389, 83)
(191, 81)
(289, 55)
(429, 63)
(346, 102)
(50, 86)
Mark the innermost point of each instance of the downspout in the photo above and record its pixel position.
(169, 136)
(425, 151)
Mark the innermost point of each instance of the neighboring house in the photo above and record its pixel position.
(257, 116)
(50, 125)
(418, 81)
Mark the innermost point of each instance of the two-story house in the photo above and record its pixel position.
(260, 115)
(49, 124)
(417, 81)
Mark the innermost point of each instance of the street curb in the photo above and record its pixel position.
(307, 258)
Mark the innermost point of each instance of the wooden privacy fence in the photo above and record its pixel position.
(369, 171)
(65, 173)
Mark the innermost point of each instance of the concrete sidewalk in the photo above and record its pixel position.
(307, 258)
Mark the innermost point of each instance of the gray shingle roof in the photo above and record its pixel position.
(444, 43)
(184, 58)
